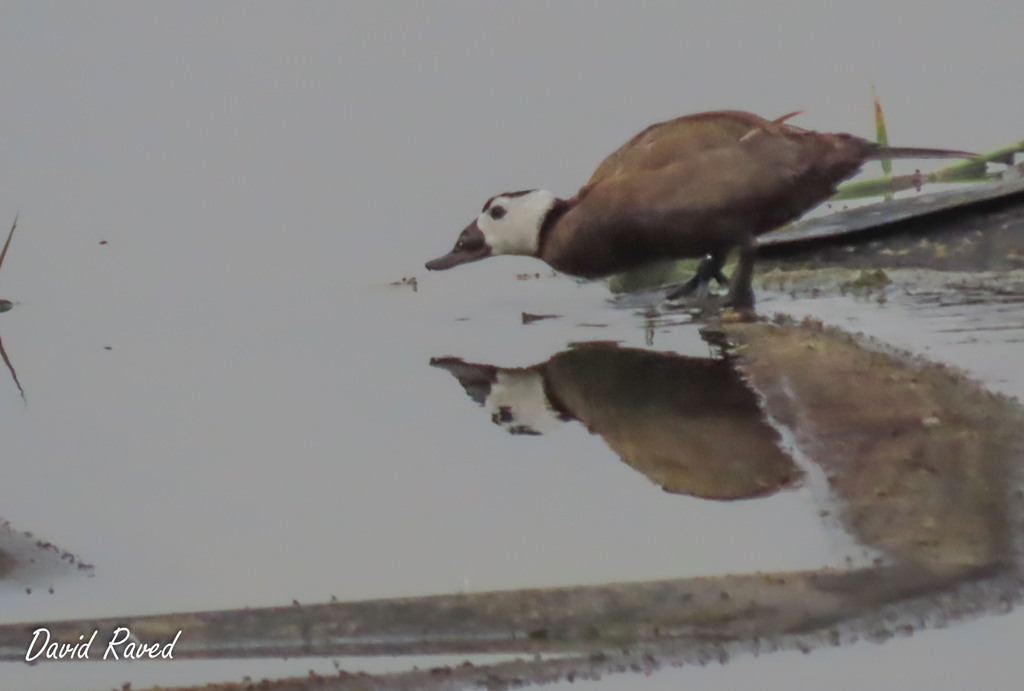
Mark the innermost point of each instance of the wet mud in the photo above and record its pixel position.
(36, 565)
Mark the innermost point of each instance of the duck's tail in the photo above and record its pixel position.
(913, 152)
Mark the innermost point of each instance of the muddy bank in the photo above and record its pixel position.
(917, 456)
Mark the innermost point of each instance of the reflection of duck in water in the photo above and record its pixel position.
(697, 185)
(689, 424)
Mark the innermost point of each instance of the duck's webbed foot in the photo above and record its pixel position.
(699, 286)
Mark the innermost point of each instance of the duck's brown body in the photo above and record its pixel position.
(696, 185)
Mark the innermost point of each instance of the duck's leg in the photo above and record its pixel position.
(710, 267)
(741, 292)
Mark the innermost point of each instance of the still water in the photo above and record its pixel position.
(228, 404)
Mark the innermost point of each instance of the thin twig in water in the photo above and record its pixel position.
(10, 367)
(3, 351)
(3, 253)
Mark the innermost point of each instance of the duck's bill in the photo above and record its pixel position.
(470, 248)
(454, 258)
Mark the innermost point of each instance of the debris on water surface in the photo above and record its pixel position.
(868, 283)
(869, 279)
(407, 281)
(529, 318)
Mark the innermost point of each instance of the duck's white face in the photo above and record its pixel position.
(510, 223)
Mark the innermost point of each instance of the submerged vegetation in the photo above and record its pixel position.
(973, 170)
(966, 172)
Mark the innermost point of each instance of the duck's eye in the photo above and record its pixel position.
(497, 212)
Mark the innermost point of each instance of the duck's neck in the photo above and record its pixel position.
(553, 216)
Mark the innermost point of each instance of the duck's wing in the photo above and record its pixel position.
(707, 201)
(769, 166)
(681, 138)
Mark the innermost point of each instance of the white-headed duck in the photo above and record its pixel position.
(696, 186)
